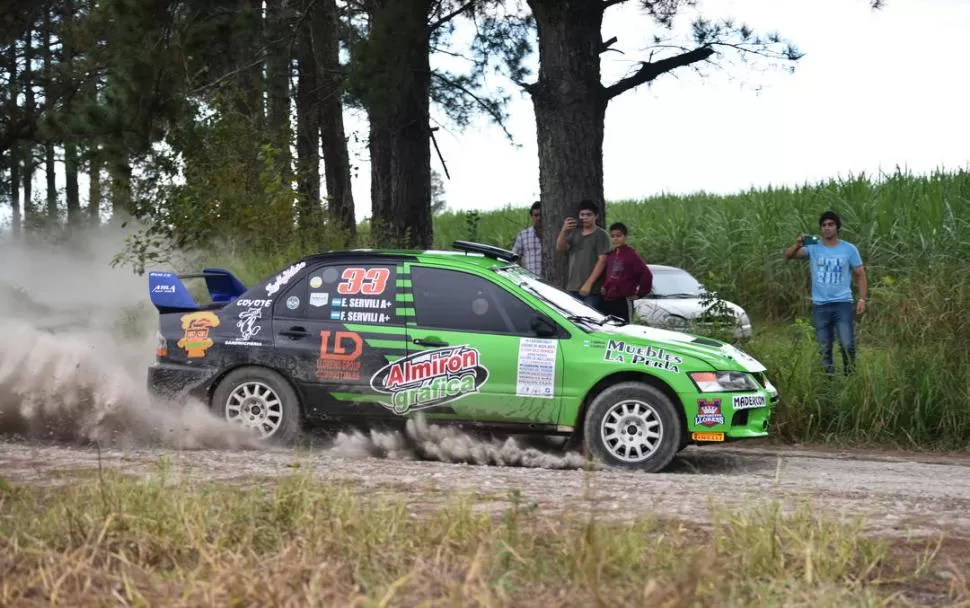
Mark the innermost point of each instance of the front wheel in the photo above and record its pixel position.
(633, 425)
(260, 400)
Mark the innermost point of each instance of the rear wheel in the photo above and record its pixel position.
(260, 400)
(633, 425)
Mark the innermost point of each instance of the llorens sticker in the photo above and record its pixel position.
(430, 378)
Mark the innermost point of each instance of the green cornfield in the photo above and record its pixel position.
(912, 387)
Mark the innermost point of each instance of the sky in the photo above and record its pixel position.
(875, 90)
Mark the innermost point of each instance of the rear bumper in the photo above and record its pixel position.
(174, 381)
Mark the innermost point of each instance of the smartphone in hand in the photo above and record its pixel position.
(809, 239)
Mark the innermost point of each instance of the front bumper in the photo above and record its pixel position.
(729, 416)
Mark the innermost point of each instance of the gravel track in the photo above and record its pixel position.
(897, 493)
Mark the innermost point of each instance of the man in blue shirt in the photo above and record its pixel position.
(833, 262)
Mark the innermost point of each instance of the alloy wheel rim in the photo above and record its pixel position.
(631, 430)
(254, 405)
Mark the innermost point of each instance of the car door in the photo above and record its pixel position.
(335, 328)
(473, 354)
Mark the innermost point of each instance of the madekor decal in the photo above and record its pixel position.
(748, 402)
(430, 378)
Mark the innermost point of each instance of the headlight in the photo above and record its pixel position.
(675, 321)
(723, 382)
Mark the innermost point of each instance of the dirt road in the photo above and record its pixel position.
(897, 494)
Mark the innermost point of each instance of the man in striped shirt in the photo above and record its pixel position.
(528, 243)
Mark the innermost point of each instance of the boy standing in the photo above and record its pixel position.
(587, 249)
(627, 277)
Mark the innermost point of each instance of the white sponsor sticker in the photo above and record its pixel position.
(536, 372)
(319, 299)
(747, 402)
(247, 303)
(247, 323)
(283, 278)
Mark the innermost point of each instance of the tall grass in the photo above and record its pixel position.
(913, 233)
(124, 541)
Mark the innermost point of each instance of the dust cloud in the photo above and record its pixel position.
(423, 441)
(76, 337)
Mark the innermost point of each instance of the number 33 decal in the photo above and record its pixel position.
(368, 281)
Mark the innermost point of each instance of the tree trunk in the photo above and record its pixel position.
(70, 148)
(70, 173)
(120, 174)
(278, 86)
(379, 147)
(399, 30)
(14, 152)
(50, 167)
(248, 35)
(29, 163)
(570, 109)
(336, 159)
(15, 218)
(307, 129)
(94, 186)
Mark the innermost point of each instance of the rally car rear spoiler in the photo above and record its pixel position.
(169, 294)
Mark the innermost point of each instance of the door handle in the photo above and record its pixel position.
(295, 332)
(429, 342)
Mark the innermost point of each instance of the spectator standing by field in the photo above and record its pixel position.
(832, 265)
(528, 243)
(627, 277)
(587, 250)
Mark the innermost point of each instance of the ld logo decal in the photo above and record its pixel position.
(339, 356)
(430, 378)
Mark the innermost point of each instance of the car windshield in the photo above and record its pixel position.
(675, 283)
(557, 298)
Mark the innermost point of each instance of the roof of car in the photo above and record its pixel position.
(465, 252)
(662, 267)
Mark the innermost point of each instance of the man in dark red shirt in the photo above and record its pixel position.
(627, 277)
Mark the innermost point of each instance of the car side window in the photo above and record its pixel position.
(449, 299)
(361, 293)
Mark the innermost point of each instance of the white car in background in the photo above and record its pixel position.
(679, 302)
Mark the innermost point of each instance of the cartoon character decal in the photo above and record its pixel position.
(196, 339)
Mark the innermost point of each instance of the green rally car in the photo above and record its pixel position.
(466, 337)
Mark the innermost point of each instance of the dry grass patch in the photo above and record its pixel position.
(175, 541)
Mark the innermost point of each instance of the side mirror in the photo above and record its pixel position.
(543, 327)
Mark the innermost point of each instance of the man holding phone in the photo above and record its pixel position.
(588, 248)
(831, 260)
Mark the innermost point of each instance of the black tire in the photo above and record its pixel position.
(263, 384)
(639, 408)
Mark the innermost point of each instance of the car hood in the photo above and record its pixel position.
(716, 353)
(688, 308)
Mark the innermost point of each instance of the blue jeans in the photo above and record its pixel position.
(835, 318)
(593, 300)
